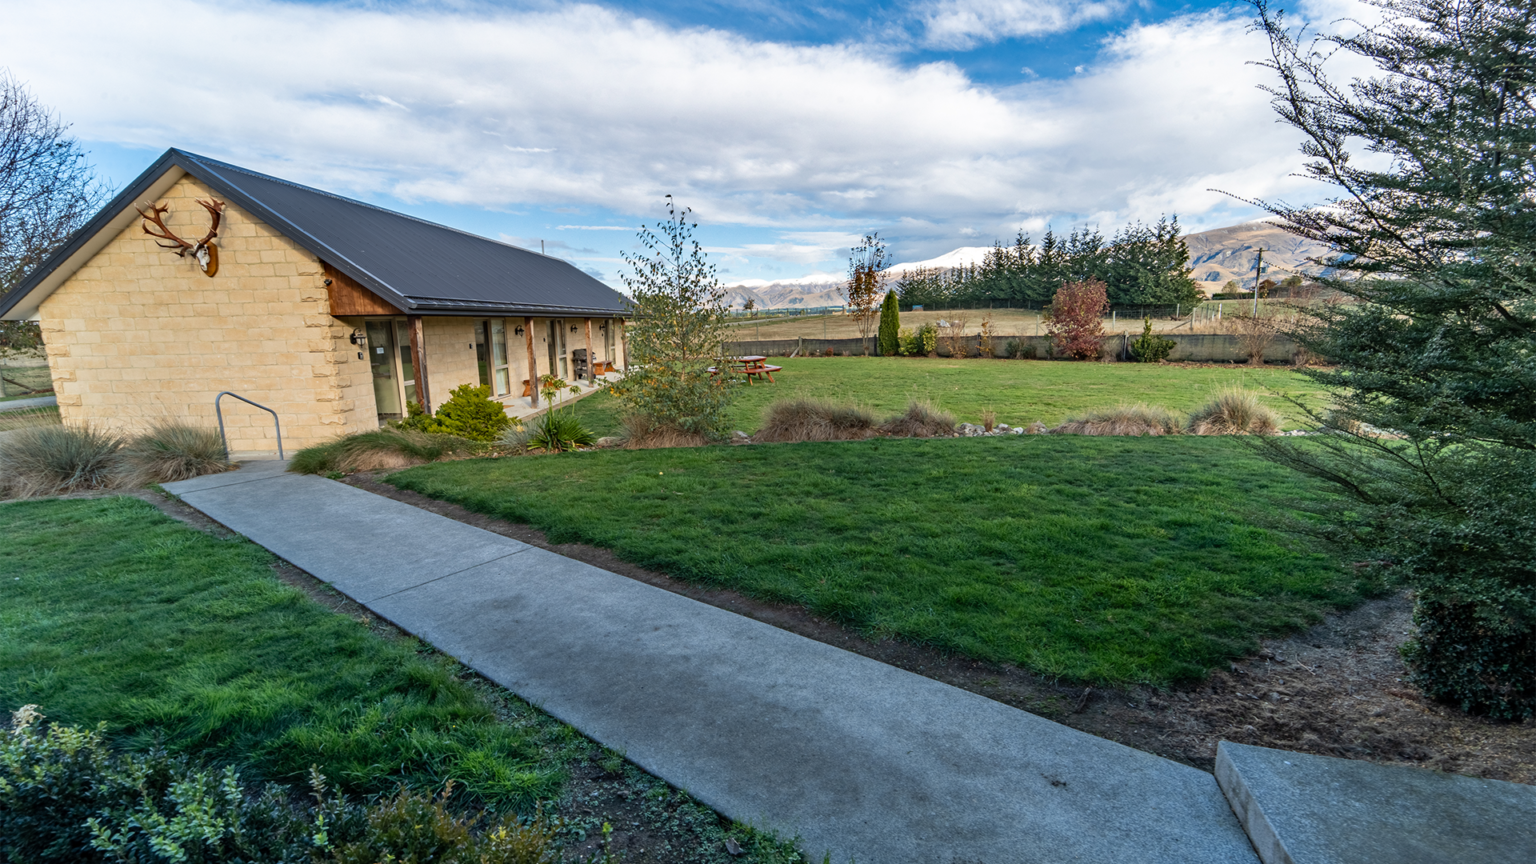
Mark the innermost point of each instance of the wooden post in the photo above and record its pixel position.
(533, 362)
(623, 345)
(419, 360)
(591, 358)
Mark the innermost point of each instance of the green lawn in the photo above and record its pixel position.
(111, 611)
(1095, 559)
(1020, 391)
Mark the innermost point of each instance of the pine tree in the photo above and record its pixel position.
(1437, 254)
(890, 326)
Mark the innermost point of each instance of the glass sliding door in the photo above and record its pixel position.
(407, 362)
(501, 375)
(557, 352)
(381, 361)
(482, 357)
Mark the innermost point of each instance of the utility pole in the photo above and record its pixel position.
(1258, 270)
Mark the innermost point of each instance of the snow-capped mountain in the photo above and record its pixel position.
(1216, 257)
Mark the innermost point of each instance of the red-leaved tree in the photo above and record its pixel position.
(1075, 318)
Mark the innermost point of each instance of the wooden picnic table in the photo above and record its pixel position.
(751, 365)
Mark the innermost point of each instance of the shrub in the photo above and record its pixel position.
(640, 432)
(413, 828)
(910, 344)
(172, 451)
(1254, 334)
(417, 420)
(471, 413)
(1234, 412)
(928, 339)
(1075, 318)
(890, 326)
(54, 460)
(814, 420)
(1135, 419)
(954, 336)
(66, 797)
(919, 421)
(1151, 348)
(984, 346)
(558, 431)
(381, 450)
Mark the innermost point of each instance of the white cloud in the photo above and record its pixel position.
(836, 138)
(964, 23)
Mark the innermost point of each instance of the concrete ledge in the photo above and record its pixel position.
(1304, 809)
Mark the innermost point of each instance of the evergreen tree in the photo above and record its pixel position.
(890, 326)
(1437, 250)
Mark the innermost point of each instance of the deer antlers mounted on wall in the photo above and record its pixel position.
(204, 251)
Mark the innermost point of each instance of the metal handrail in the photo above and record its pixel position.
(219, 411)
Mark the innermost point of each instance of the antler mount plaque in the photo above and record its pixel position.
(203, 251)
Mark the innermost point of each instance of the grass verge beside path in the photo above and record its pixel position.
(1020, 391)
(111, 611)
(1095, 559)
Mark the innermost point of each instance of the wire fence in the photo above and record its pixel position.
(24, 376)
(1188, 347)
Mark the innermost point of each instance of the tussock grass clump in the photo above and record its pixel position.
(644, 432)
(55, 460)
(172, 451)
(919, 421)
(814, 420)
(26, 418)
(1234, 412)
(1138, 419)
(381, 450)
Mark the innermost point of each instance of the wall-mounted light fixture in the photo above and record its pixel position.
(517, 331)
(357, 337)
(573, 328)
(327, 283)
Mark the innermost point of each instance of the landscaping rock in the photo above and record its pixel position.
(1037, 428)
(609, 441)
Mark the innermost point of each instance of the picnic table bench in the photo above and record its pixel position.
(751, 366)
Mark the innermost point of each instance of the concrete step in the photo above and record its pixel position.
(1304, 809)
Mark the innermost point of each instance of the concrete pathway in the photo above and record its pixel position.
(35, 402)
(859, 759)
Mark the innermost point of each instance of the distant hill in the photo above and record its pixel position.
(1216, 256)
(1223, 254)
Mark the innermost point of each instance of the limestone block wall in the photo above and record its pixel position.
(450, 351)
(139, 334)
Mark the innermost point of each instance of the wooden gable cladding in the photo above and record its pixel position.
(348, 298)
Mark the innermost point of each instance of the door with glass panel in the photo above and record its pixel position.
(500, 375)
(381, 362)
(407, 366)
(557, 354)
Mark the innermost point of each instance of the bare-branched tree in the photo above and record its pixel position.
(866, 284)
(47, 191)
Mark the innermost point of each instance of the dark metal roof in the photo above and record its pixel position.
(419, 266)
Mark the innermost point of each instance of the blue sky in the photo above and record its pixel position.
(790, 128)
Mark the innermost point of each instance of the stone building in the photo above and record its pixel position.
(203, 277)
